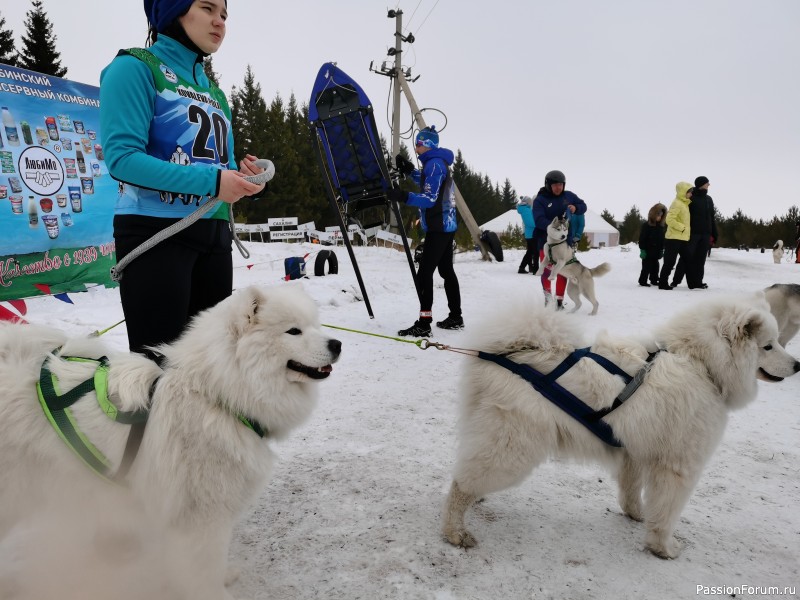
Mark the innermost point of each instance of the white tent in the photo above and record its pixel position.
(598, 232)
(501, 223)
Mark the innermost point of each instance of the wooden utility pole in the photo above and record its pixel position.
(401, 84)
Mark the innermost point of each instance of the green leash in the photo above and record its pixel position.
(422, 344)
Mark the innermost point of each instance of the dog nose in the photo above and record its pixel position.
(796, 366)
(335, 346)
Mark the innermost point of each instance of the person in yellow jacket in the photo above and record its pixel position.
(676, 240)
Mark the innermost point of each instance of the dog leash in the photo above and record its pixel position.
(547, 386)
(263, 177)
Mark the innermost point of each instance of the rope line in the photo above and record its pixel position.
(422, 344)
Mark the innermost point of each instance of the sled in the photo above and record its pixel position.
(350, 156)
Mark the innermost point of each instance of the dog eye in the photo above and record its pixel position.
(294, 331)
(768, 347)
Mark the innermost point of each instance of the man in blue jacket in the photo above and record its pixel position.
(437, 210)
(554, 201)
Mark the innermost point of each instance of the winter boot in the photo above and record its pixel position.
(451, 322)
(559, 304)
(548, 297)
(420, 328)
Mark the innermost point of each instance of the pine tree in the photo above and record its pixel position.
(39, 44)
(509, 196)
(608, 217)
(630, 227)
(208, 68)
(8, 54)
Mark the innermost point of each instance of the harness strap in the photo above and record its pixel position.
(56, 407)
(630, 388)
(550, 258)
(571, 360)
(559, 396)
(135, 436)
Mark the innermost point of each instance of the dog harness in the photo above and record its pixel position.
(56, 408)
(552, 261)
(547, 386)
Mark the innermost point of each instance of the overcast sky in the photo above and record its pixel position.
(627, 97)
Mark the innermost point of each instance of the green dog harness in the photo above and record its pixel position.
(56, 408)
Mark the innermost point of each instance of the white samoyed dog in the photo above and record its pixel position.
(244, 372)
(668, 428)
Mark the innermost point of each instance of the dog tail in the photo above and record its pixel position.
(601, 269)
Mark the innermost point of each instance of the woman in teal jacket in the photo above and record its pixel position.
(530, 260)
(157, 104)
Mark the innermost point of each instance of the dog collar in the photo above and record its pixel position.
(255, 426)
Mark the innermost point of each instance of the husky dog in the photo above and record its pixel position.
(244, 373)
(560, 257)
(777, 252)
(784, 302)
(668, 428)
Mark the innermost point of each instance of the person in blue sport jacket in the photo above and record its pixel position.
(552, 201)
(168, 140)
(530, 260)
(437, 209)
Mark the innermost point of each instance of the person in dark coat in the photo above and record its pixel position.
(797, 245)
(651, 244)
(704, 234)
(552, 201)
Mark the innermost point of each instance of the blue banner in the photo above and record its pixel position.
(56, 196)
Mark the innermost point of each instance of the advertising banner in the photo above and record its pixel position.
(56, 196)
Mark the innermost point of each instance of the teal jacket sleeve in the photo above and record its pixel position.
(127, 98)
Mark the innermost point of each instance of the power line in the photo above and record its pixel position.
(426, 17)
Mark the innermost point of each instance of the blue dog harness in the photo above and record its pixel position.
(583, 413)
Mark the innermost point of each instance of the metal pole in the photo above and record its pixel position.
(394, 223)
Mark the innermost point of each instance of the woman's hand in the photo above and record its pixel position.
(233, 186)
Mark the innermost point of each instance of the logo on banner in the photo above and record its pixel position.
(41, 170)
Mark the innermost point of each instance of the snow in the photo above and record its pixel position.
(353, 508)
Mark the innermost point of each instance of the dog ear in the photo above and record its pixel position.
(741, 326)
(250, 301)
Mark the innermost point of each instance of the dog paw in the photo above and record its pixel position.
(461, 538)
(669, 548)
(633, 514)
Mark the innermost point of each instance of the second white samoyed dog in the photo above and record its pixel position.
(668, 428)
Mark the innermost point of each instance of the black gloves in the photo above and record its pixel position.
(397, 195)
(405, 166)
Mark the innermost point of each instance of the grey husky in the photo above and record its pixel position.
(560, 257)
(784, 302)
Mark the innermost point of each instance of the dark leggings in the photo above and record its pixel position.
(531, 257)
(438, 253)
(672, 250)
(165, 287)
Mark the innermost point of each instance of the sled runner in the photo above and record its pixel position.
(350, 156)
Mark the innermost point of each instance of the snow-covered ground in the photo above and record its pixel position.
(353, 508)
